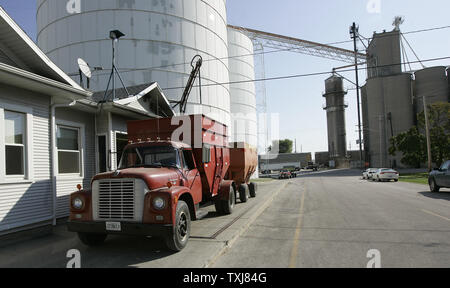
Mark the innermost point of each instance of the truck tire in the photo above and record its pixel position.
(219, 207)
(182, 229)
(243, 193)
(228, 206)
(433, 186)
(252, 187)
(92, 239)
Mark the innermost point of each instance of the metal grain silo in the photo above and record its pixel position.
(335, 107)
(431, 83)
(159, 35)
(242, 95)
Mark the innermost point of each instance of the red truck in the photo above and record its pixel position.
(161, 183)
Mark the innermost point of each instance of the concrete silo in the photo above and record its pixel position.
(390, 112)
(159, 35)
(242, 95)
(335, 107)
(431, 83)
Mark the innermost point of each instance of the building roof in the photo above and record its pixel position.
(149, 98)
(24, 54)
(289, 158)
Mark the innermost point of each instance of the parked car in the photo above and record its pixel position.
(385, 174)
(367, 174)
(284, 174)
(440, 178)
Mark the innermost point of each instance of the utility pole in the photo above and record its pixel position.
(354, 35)
(427, 131)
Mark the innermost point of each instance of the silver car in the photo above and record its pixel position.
(385, 174)
(367, 174)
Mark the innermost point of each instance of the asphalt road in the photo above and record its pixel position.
(334, 219)
(323, 219)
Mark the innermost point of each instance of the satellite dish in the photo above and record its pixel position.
(84, 68)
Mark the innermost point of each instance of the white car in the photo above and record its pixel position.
(367, 174)
(385, 174)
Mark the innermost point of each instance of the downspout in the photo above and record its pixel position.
(54, 150)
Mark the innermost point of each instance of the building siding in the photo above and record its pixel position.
(30, 201)
(67, 185)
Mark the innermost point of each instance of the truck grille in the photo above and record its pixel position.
(116, 199)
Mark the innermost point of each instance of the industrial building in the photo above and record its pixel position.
(335, 107)
(392, 97)
(285, 161)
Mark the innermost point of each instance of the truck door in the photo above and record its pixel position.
(192, 175)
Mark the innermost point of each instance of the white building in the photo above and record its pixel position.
(54, 134)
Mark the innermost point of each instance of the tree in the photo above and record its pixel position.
(439, 119)
(285, 146)
(412, 143)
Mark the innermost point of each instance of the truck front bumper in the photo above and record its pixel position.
(127, 228)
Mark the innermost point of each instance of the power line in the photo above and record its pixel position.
(308, 74)
(128, 70)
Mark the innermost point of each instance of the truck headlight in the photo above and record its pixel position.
(159, 203)
(77, 203)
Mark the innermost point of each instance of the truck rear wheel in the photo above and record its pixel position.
(243, 193)
(92, 239)
(182, 229)
(252, 187)
(227, 206)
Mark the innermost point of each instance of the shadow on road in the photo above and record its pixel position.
(124, 251)
(445, 195)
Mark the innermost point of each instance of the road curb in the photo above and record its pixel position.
(228, 244)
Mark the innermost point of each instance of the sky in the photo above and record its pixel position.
(298, 101)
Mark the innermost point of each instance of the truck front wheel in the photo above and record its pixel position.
(92, 239)
(182, 229)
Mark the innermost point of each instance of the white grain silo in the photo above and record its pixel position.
(242, 95)
(159, 33)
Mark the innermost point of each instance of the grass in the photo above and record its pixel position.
(261, 180)
(418, 178)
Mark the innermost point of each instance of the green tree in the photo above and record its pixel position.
(413, 143)
(439, 119)
(285, 146)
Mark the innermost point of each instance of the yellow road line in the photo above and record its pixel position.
(298, 229)
(434, 214)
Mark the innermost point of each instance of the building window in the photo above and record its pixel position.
(15, 144)
(69, 155)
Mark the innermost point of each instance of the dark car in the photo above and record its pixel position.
(440, 178)
(284, 174)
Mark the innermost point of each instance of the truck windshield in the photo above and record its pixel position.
(154, 156)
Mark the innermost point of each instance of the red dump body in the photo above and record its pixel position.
(207, 138)
(244, 160)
